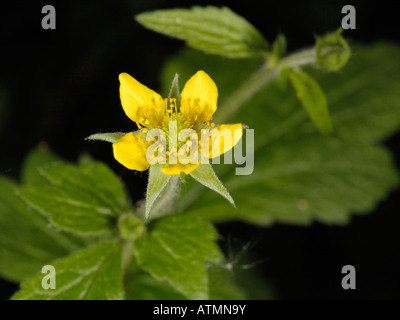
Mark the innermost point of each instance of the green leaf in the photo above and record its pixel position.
(176, 250)
(90, 274)
(82, 199)
(312, 98)
(27, 241)
(279, 46)
(210, 29)
(207, 177)
(278, 50)
(144, 287)
(301, 176)
(36, 159)
(111, 137)
(157, 182)
(222, 285)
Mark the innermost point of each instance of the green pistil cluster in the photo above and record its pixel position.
(181, 124)
(176, 148)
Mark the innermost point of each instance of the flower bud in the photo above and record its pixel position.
(130, 227)
(332, 51)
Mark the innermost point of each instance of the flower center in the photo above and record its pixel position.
(180, 130)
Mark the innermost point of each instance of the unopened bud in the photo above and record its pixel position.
(332, 51)
(130, 226)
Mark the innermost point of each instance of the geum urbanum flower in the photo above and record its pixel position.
(175, 136)
(178, 130)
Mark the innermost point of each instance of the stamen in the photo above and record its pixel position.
(138, 124)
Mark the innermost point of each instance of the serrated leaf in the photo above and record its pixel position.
(210, 29)
(93, 274)
(207, 177)
(221, 286)
(176, 250)
(36, 159)
(27, 241)
(68, 210)
(111, 137)
(301, 176)
(144, 287)
(82, 199)
(157, 183)
(312, 98)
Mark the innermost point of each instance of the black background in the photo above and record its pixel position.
(61, 85)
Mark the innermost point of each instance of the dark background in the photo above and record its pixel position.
(61, 85)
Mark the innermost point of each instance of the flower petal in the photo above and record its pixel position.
(139, 102)
(223, 138)
(130, 151)
(199, 97)
(176, 169)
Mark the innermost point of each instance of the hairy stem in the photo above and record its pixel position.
(126, 255)
(258, 80)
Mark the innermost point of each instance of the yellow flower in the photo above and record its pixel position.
(193, 110)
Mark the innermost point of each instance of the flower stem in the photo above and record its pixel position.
(126, 255)
(259, 79)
